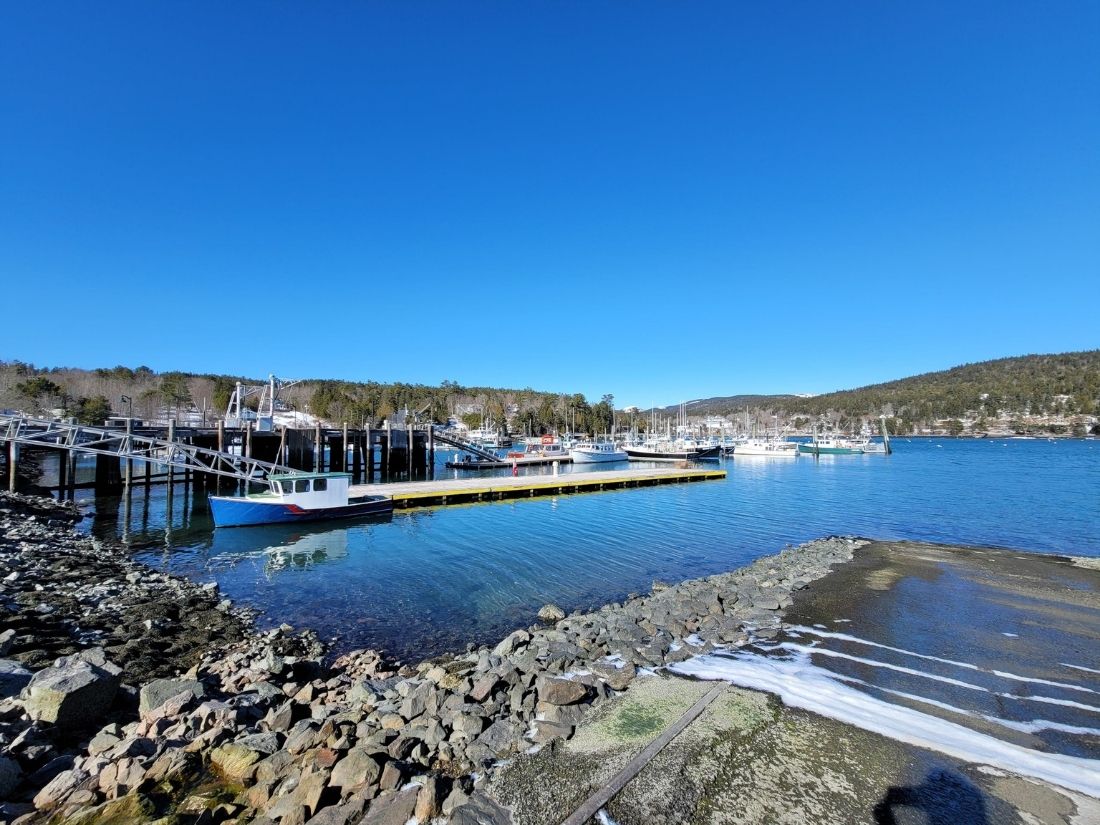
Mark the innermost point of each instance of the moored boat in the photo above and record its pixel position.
(831, 445)
(767, 447)
(596, 452)
(297, 497)
(681, 450)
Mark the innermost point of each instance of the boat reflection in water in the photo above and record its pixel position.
(287, 546)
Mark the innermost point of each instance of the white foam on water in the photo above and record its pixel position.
(1079, 667)
(615, 660)
(1033, 726)
(604, 818)
(842, 621)
(1047, 700)
(1010, 635)
(694, 640)
(836, 654)
(1036, 725)
(845, 637)
(801, 684)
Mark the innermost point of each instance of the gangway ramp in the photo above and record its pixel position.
(62, 435)
(463, 443)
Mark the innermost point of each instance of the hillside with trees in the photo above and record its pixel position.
(92, 395)
(1015, 392)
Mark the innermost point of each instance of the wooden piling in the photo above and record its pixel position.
(221, 449)
(128, 480)
(171, 466)
(13, 459)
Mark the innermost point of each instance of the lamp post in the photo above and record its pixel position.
(129, 402)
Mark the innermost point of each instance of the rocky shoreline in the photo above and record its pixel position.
(130, 695)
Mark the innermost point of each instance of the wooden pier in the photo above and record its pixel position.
(466, 490)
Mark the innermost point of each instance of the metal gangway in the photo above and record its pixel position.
(61, 435)
(456, 440)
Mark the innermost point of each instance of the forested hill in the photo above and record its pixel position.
(1066, 383)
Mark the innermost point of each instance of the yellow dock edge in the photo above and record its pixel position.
(558, 485)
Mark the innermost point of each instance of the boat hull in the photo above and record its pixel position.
(743, 450)
(642, 454)
(812, 450)
(231, 511)
(585, 457)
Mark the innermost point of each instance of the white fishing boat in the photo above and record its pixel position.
(596, 452)
(772, 444)
(490, 436)
(767, 447)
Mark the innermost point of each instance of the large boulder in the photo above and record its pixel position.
(75, 691)
(357, 769)
(557, 691)
(13, 678)
(551, 613)
(237, 760)
(159, 691)
(481, 810)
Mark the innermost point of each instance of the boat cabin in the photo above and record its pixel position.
(310, 490)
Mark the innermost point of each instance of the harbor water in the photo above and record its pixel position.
(430, 581)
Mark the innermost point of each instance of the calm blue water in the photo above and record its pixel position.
(433, 580)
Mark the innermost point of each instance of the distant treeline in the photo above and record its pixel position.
(92, 395)
(1030, 385)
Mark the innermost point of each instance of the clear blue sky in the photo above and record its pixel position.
(661, 201)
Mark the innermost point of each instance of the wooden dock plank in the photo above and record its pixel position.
(464, 490)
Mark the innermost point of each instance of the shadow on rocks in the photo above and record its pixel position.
(943, 798)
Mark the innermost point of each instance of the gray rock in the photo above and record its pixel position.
(393, 809)
(7, 639)
(617, 678)
(159, 691)
(13, 678)
(510, 643)
(551, 613)
(548, 731)
(75, 691)
(500, 737)
(10, 776)
(356, 769)
(416, 700)
(557, 691)
(481, 810)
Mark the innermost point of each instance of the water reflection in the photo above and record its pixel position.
(431, 580)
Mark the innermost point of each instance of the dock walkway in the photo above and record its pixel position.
(464, 490)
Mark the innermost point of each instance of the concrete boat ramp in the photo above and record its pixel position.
(465, 490)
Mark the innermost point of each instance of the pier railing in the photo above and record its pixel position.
(60, 435)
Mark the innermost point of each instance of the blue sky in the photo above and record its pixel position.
(661, 201)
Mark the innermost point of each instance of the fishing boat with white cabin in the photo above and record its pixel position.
(596, 452)
(297, 497)
(771, 447)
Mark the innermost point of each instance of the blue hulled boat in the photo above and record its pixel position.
(297, 497)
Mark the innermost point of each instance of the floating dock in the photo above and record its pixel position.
(505, 463)
(466, 490)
